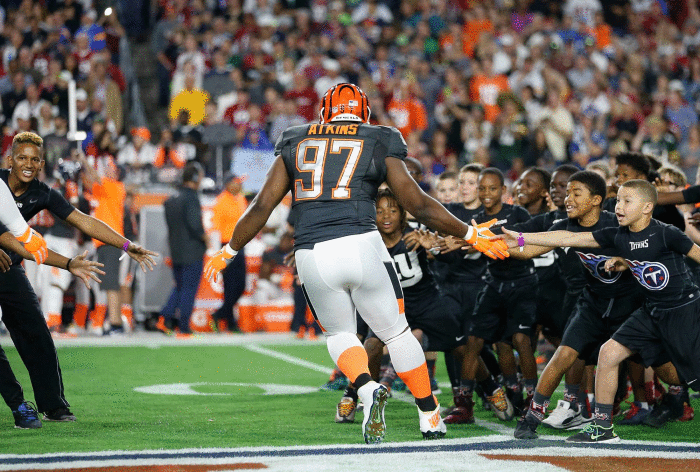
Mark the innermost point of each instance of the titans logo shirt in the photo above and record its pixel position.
(656, 257)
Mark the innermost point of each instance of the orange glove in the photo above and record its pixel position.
(480, 240)
(35, 244)
(219, 261)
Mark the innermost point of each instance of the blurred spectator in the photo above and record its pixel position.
(253, 157)
(558, 126)
(167, 153)
(276, 279)
(330, 78)
(188, 244)
(406, 111)
(305, 97)
(30, 106)
(56, 144)
(486, 86)
(509, 131)
(18, 93)
(690, 150)
(139, 152)
(679, 113)
(97, 38)
(655, 139)
(285, 116)
(228, 209)
(587, 143)
(99, 85)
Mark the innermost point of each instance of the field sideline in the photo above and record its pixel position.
(148, 402)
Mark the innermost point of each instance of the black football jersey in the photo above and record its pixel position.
(655, 256)
(37, 197)
(546, 264)
(335, 171)
(420, 290)
(510, 268)
(460, 266)
(600, 283)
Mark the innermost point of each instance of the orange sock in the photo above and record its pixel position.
(128, 314)
(417, 381)
(97, 316)
(353, 362)
(80, 315)
(53, 320)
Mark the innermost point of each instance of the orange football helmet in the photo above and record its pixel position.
(344, 102)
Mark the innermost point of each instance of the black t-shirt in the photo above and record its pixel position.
(656, 259)
(460, 266)
(668, 214)
(37, 197)
(419, 288)
(510, 268)
(335, 171)
(600, 283)
(546, 264)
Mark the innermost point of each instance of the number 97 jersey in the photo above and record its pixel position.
(335, 171)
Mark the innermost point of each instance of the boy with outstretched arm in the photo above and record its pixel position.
(607, 301)
(665, 331)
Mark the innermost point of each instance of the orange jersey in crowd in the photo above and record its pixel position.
(409, 115)
(227, 210)
(485, 90)
(109, 195)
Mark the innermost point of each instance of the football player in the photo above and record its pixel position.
(334, 169)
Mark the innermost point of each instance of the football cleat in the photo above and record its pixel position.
(565, 417)
(340, 382)
(635, 415)
(26, 416)
(594, 433)
(431, 424)
(59, 414)
(500, 405)
(345, 411)
(526, 428)
(374, 396)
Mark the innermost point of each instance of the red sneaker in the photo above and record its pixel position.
(688, 413)
(462, 414)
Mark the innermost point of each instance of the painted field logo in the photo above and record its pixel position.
(596, 266)
(190, 388)
(651, 275)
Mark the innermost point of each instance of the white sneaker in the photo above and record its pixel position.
(431, 424)
(374, 397)
(565, 417)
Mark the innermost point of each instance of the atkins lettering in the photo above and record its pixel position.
(332, 129)
(639, 245)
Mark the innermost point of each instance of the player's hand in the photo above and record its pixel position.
(483, 240)
(5, 261)
(616, 264)
(693, 219)
(143, 256)
(35, 244)
(85, 269)
(216, 264)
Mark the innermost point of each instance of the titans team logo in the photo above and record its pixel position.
(596, 266)
(651, 275)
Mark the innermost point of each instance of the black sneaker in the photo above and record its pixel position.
(669, 410)
(594, 433)
(526, 428)
(59, 414)
(26, 416)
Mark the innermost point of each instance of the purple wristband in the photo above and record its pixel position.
(126, 245)
(521, 242)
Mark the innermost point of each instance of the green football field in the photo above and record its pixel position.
(194, 394)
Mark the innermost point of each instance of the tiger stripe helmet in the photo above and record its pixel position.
(345, 102)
